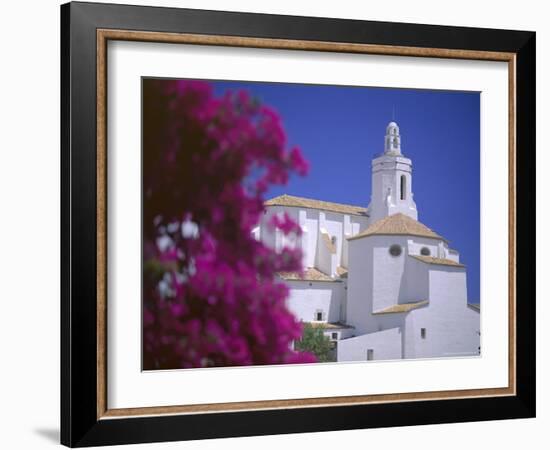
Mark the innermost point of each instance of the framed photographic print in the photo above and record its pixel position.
(276, 224)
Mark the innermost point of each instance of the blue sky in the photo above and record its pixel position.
(340, 130)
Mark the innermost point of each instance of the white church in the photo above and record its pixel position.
(380, 284)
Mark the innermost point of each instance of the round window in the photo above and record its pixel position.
(395, 250)
(425, 251)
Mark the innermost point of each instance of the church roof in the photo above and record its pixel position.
(440, 261)
(342, 271)
(331, 325)
(309, 274)
(399, 224)
(402, 307)
(301, 202)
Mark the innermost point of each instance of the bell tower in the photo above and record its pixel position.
(392, 180)
(392, 143)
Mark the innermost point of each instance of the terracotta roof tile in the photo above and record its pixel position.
(330, 325)
(310, 274)
(400, 224)
(342, 272)
(301, 202)
(440, 261)
(402, 307)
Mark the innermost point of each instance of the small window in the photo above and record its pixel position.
(423, 333)
(334, 335)
(403, 187)
(425, 251)
(395, 250)
(370, 354)
(333, 240)
(319, 315)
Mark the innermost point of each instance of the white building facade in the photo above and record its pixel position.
(378, 282)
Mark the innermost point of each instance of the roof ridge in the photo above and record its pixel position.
(305, 202)
(308, 274)
(316, 200)
(398, 224)
(402, 307)
(437, 261)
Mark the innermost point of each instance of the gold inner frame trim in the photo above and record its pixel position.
(104, 35)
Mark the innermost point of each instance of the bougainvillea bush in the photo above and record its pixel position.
(210, 292)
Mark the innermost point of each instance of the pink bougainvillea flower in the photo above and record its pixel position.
(210, 291)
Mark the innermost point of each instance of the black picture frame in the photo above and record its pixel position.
(80, 425)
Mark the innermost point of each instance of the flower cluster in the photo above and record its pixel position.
(211, 297)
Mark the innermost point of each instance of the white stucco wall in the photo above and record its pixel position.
(347, 333)
(385, 344)
(416, 282)
(388, 271)
(268, 236)
(360, 271)
(305, 300)
(342, 333)
(453, 255)
(378, 280)
(416, 243)
(335, 225)
(386, 177)
(344, 302)
(312, 226)
(326, 256)
(386, 321)
(452, 328)
(312, 221)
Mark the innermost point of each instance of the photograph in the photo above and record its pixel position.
(287, 223)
